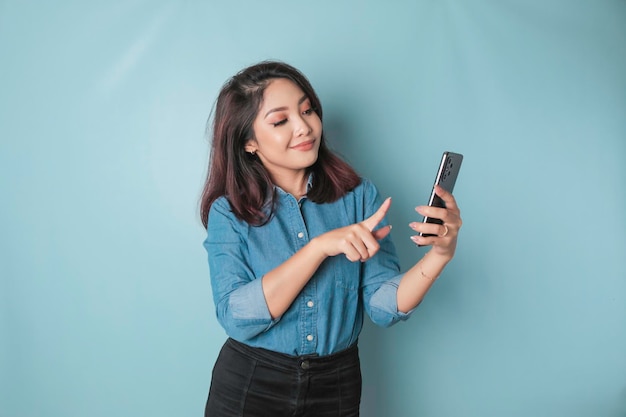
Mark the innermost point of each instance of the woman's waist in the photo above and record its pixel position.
(312, 361)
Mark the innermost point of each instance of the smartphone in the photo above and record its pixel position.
(446, 178)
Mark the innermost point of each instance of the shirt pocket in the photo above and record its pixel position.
(346, 274)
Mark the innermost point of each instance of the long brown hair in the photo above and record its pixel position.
(240, 176)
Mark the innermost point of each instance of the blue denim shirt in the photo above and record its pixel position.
(327, 316)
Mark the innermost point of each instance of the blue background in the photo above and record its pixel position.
(105, 305)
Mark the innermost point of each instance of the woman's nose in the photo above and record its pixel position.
(302, 127)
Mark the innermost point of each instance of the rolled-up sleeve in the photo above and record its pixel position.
(383, 305)
(238, 295)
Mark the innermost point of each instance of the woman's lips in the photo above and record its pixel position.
(304, 146)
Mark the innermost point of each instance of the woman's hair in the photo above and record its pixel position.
(240, 176)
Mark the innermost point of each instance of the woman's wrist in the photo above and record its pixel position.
(440, 259)
(316, 248)
(444, 253)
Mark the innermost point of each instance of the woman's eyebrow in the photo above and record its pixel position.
(302, 100)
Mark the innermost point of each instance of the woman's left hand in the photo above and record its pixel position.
(444, 241)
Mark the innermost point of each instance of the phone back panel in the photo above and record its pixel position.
(446, 178)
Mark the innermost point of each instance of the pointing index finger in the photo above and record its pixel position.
(372, 221)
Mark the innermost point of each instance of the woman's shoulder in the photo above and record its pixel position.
(220, 205)
(221, 209)
(365, 188)
(363, 196)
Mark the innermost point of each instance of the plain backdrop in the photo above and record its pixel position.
(105, 303)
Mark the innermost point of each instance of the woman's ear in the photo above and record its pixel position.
(250, 146)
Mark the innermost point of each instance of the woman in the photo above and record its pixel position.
(298, 249)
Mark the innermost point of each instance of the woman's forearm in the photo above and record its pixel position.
(282, 284)
(417, 281)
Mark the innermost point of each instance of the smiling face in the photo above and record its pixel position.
(287, 131)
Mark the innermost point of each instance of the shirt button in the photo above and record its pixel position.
(300, 235)
(309, 338)
(310, 304)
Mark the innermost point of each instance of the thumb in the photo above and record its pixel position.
(372, 221)
(382, 232)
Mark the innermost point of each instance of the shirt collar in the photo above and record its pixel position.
(309, 185)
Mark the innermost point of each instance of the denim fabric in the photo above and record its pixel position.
(256, 382)
(327, 316)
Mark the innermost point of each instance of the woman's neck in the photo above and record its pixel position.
(294, 184)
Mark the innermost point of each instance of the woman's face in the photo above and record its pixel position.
(287, 130)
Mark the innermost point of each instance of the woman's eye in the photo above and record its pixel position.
(308, 111)
(281, 122)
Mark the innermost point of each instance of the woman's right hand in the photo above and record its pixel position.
(359, 241)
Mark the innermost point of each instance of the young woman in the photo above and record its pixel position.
(298, 250)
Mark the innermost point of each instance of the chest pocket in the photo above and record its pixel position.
(346, 274)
